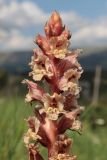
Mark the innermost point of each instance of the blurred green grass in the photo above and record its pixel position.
(91, 145)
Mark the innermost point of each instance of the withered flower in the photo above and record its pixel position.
(58, 109)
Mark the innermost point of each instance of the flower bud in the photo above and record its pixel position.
(54, 26)
(42, 43)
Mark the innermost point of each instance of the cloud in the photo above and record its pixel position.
(16, 41)
(17, 19)
(23, 14)
(73, 20)
(86, 32)
(91, 35)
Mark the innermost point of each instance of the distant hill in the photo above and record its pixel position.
(94, 58)
(17, 62)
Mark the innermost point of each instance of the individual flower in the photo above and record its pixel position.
(32, 134)
(59, 45)
(69, 121)
(35, 92)
(69, 62)
(70, 81)
(47, 130)
(53, 105)
(41, 69)
(38, 65)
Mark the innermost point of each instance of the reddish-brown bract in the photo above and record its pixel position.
(57, 110)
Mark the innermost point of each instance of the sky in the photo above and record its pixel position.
(22, 20)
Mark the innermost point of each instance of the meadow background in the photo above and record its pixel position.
(20, 21)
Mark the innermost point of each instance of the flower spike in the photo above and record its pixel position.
(56, 108)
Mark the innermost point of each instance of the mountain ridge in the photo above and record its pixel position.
(17, 62)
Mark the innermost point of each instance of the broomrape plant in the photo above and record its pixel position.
(57, 110)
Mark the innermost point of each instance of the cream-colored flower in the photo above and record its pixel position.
(41, 69)
(73, 87)
(38, 72)
(72, 74)
(38, 57)
(52, 113)
(28, 97)
(59, 46)
(60, 52)
(32, 135)
(70, 81)
(53, 105)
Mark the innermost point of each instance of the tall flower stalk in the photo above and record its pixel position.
(56, 110)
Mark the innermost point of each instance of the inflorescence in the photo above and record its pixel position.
(56, 108)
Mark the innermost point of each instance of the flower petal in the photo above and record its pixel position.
(68, 120)
(48, 129)
(35, 92)
(34, 124)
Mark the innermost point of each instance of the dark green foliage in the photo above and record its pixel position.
(3, 78)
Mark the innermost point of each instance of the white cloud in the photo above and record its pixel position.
(16, 41)
(21, 14)
(18, 18)
(73, 20)
(91, 35)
